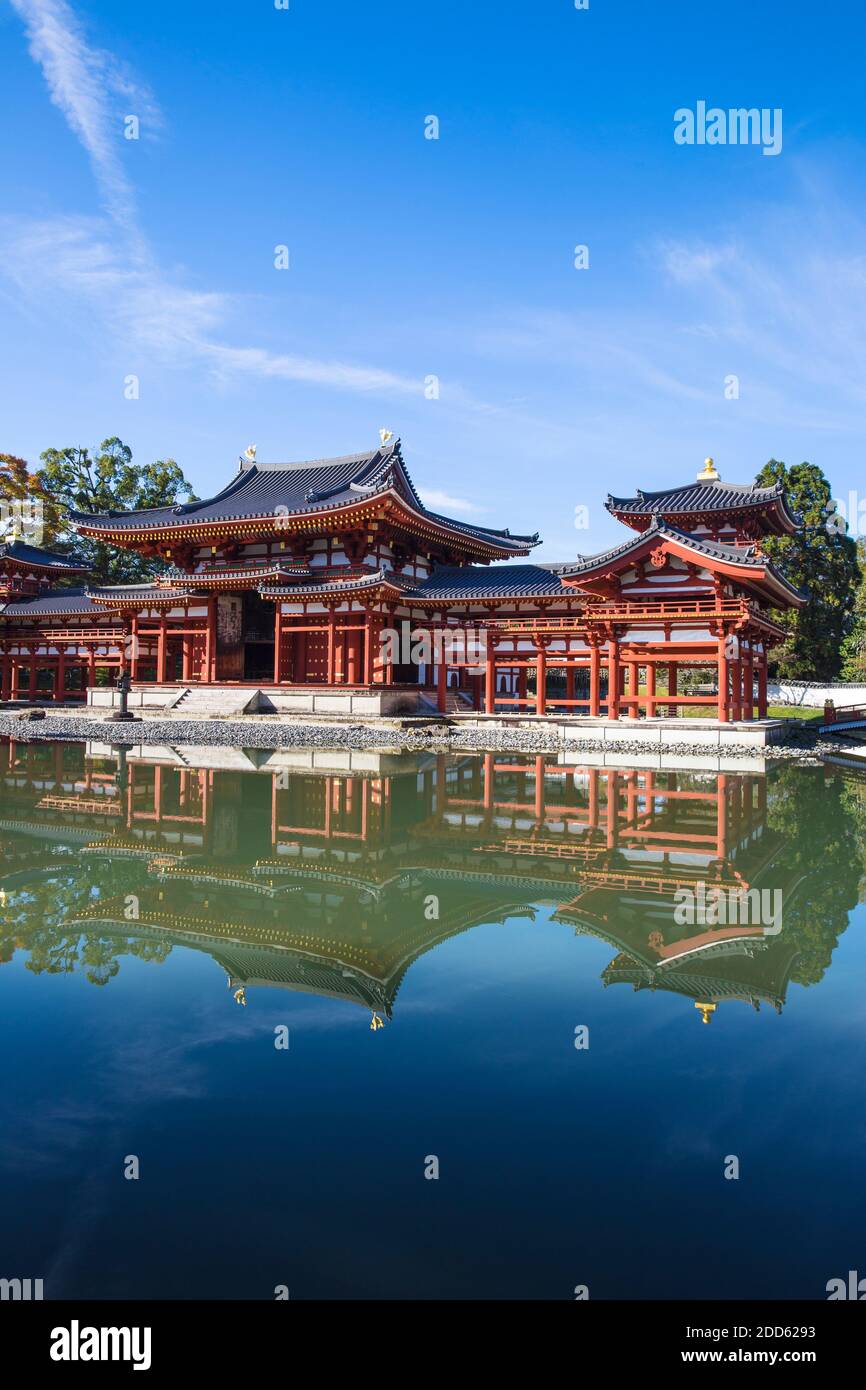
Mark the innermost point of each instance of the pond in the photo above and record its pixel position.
(343, 1026)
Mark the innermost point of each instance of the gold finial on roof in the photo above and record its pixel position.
(386, 435)
(706, 1011)
(709, 473)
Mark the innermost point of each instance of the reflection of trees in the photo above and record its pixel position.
(823, 822)
(34, 920)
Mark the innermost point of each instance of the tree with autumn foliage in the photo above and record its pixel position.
(821, 561)
(23, 493)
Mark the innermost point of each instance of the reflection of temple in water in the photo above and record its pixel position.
(331, 873)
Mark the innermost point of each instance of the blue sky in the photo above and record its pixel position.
(412, 258)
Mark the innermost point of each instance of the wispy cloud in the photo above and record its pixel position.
(85, 83)
(433, 497)
(109, 262)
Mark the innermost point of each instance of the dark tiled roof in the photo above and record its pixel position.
(698, 497)
(482, 581)
(143, 593)
(370, 579)
(33, 555)
(61, 602)
(285, 489)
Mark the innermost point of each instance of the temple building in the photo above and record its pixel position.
(330, 585)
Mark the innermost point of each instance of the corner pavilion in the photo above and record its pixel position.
(291, 578)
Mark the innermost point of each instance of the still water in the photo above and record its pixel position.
(287, 990)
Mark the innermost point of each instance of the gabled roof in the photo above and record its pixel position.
(34, 556)
(744, 558)
(271, 491)
(60, 603)
(702, 497)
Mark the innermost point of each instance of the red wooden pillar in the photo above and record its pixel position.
(441, 680)
(490, 682)
(650, 690)
(633, 686)
(722, 666)
(331, 669)
(133, 648)
(161, 645)
(521, 683)
(541, 680)
(673, 671)
(749, 684)
(209, 671)
(60, 685)
(762, 684)
(6, 685)
(569, 686)
(613, 678)
(278, 642)
(368, 648)
(737, 687)
(594, 679)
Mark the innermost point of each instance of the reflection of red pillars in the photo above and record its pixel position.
(612, 799)
(489, 781)
(594, 679)
(631, 801)
(539, 789)
(592, 809)
(722, 666)
(721, 815)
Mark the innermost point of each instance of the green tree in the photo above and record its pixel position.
(107, 480)
(821, 560)
(854, 645)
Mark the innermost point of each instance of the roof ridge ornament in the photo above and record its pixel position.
(709, 473)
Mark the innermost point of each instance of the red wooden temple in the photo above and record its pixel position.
(334, 576)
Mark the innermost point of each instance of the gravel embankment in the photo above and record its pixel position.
(394, 734)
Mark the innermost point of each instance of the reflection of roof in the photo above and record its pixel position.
(276, 490)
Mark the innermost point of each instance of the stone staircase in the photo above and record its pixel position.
(207, 701)
(456, 702)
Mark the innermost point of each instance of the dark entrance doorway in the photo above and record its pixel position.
(258, 629)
